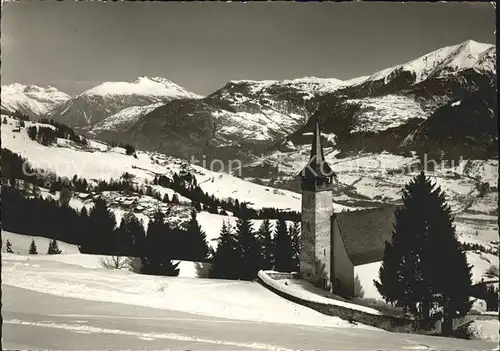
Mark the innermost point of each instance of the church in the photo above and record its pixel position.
(336, 242)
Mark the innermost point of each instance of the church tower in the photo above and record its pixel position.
(317, 211)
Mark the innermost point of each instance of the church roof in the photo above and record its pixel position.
(317, 165)
(364, 232)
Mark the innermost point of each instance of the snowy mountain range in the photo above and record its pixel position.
(106, 99)
(257, 117)
(31, 99)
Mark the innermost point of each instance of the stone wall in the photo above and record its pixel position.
(390, 323)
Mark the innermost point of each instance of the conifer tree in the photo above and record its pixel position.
(424, 269)
(33, 249)
(249, 263)
(99, 238)
(53, 248)
(226, 257)
(283, 248)
(444, 261)
(130, 236)
(196, 240)
(156, 256)
(266, 245)
(8, 244)
(175, 199)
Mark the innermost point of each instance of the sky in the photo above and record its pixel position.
(74, 46)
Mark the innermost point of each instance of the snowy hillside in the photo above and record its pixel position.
(31, 100)
(122, 120)
(108, 98)
(97, 162)
(442, 62)
(369, 179)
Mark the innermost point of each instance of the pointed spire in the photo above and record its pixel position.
(317, 149)
(317, 167)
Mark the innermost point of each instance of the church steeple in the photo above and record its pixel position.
(317, 172)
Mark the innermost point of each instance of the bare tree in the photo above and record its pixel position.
(492, 271)
(114, 262)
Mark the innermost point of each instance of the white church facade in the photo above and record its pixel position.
(336, 242)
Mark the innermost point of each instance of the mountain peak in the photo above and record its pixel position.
(31, 99)
(439, 62)
(146, 86)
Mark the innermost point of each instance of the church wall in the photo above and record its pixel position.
(324, 210)
(307, 237)
(317, 209)
(342, 266)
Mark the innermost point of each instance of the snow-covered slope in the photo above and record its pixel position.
(106, 99)
(443, 62)
(31, 100)
(95, 162)
(122, 120)
(151, 86)
(210, 297)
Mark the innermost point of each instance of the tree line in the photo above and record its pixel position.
(95, 230)
(129, 148)
(242, 252)
(186, 185)
(48, 136)
(239, 255)
(17, 167)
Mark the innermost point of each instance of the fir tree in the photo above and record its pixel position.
(249, 263)
(130, 236)
(53, 248)
(8, 244)
(424, 268)
(266, 245)
(175, 199)
(283, 248)
(166, 199)
(445, 263)
(99, 238)
(196, 240)
(226, 257)
(33, 249)
(156, 257)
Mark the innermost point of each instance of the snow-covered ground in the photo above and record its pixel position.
(81, 276)
(296, 288)
(485, 329)
(70, 254)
